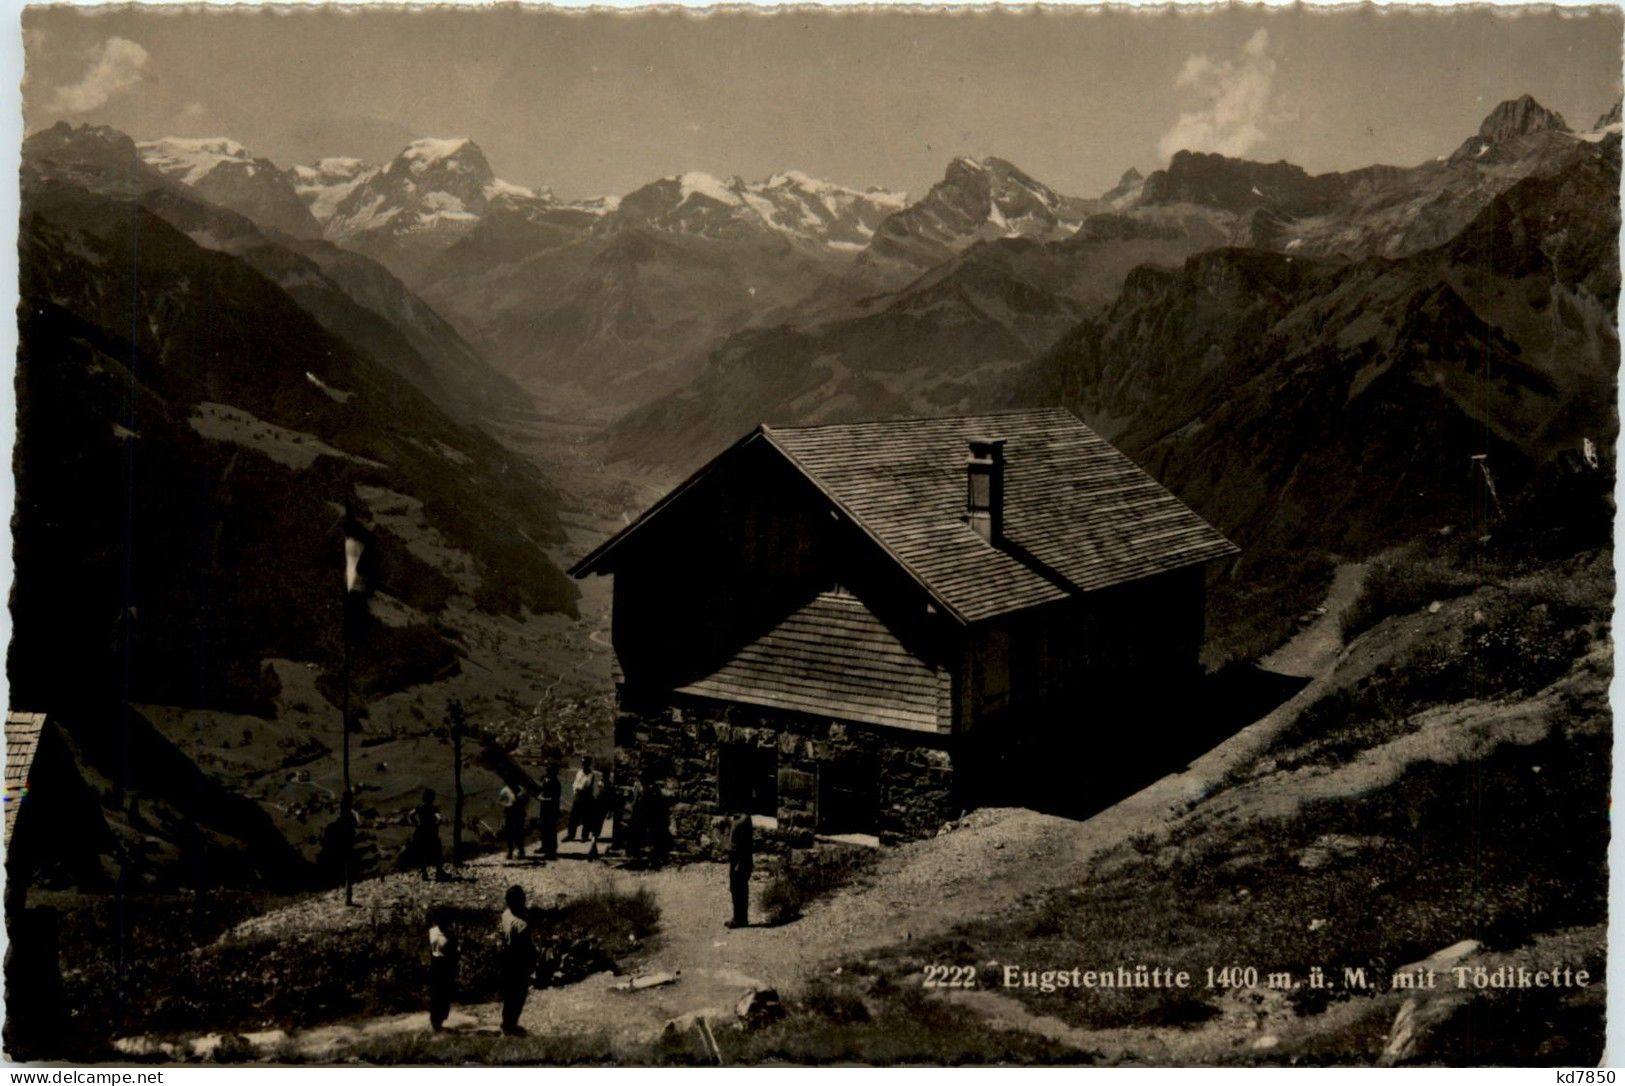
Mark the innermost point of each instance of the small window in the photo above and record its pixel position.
(748, 779)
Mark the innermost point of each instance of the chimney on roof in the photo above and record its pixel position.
(984, 488)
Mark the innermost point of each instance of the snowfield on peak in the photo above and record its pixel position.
(703, 184)
(334, 170)
(801, 208)
(796, 179)
(596, 205)
(325, 185)
(500, 187)
(424, 153)
(189, 160)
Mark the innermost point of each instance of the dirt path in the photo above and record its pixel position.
(989, 864)
(1315, 648)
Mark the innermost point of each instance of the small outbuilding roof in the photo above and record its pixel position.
(22, 741)
(1078, 515)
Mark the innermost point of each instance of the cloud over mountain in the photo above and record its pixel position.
(114, 68)
(1236, 99)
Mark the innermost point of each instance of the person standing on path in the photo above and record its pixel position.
(338, 852)
(599, 790)
(443, 957)
(580, 799)
(548, 816)
(514, 802)
(637, 812)
(425, 820)
(517, 959)
(656, 823)
(741, 862)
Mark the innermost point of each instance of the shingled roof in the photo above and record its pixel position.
(1078, 514)
(832, 655)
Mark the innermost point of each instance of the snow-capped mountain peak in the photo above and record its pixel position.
(433, 191)
(1520, 116)
(977, 199)
(424, 154)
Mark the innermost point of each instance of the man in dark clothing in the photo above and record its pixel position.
(548, 816)
(656, 824)
(741, 861)
(425, 819)
(339, 841)
(602, 791)
(637, 807)
(443, 955)
(514, 801)
(581, 800)
(517, 961)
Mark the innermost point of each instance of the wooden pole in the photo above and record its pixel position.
(344, 725)
(454, 710)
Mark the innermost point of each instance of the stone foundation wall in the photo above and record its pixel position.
(678, 743)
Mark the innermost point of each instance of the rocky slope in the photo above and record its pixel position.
(1346, 401)
(432, 193)
(229, 408)
(608, 294)
(613, 311)
(1380, 210)
(352, 296)
(951, 333)
(224, 173)
(181, 478)
(934, 346)
(976, 200)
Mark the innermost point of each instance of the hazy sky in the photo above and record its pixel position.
(601, 103)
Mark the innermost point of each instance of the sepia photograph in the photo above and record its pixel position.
(804, 537)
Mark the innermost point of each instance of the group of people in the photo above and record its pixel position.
(640, 818)
(515, 802)
(516, 965)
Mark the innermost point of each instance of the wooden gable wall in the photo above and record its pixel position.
(751, 544)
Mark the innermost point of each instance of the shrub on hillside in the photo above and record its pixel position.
(1402, 583)
(1517, 641)
(803, 876)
